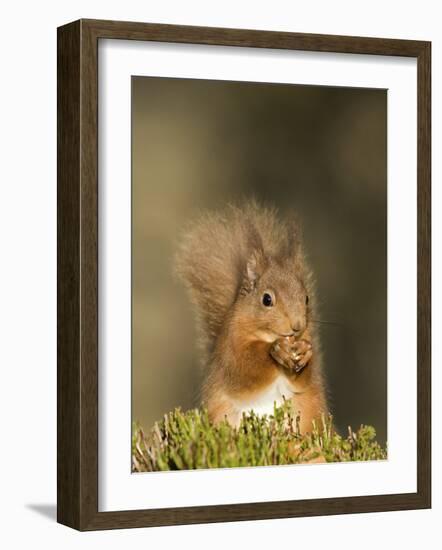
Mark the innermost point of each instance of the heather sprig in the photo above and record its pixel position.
(188, 441)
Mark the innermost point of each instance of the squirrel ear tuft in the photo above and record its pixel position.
(254, 268)
(294, 241)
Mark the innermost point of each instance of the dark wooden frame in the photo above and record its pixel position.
(77, 224)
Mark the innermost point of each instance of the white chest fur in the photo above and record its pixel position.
(263, 403)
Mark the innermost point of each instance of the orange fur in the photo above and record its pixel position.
(228, 261)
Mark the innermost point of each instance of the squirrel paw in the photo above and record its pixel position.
(292, 355)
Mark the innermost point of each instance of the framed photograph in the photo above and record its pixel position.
(243, 274)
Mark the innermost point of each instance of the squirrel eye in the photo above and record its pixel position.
(306, 300)
(267, 300)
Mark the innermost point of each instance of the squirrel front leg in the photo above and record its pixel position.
(292, 354)
(298, 359)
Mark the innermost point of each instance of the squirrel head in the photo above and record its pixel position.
(273, 300)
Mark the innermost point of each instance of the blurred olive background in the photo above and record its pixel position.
(320, 151)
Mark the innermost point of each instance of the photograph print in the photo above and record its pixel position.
(259, 274)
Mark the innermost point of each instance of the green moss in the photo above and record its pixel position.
(188, 440)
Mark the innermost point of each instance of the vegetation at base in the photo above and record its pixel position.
(188, 440)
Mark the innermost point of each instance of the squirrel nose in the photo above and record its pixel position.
(296, 327)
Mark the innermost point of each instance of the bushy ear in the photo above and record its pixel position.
(255, 267)
(293, 252)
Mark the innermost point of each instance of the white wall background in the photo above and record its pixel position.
(28, 269)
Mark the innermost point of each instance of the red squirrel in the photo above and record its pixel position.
(247, 277)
